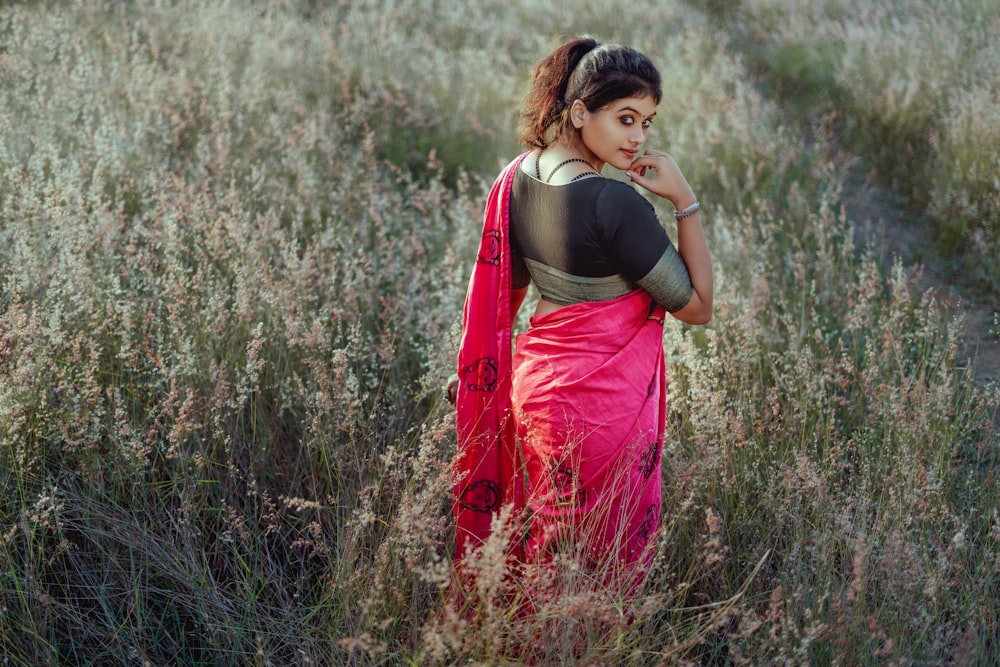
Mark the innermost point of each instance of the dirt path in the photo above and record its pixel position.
(879, 218)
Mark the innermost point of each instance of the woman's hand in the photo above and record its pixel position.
(657, 172)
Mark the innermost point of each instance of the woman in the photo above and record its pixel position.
(568, 430)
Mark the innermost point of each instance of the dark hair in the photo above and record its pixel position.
(582, 69)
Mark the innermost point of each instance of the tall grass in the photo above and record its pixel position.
(236, 238)
(910, 84)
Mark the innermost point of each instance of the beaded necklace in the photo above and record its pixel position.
(538, 171)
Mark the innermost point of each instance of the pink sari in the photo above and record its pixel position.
(583, 399)
(590, 405)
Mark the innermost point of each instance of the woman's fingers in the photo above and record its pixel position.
(653, 159)
(657, 172)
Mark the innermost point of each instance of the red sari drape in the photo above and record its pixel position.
(487, 473)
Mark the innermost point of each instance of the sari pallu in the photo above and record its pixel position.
(487, 469)
(589, 401)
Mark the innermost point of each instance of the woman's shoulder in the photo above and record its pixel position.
(619, 199)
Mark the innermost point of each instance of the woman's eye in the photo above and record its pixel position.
(630, 120)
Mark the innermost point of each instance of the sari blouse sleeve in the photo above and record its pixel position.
(640, 246)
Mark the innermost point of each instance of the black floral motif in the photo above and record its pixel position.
(481, 375)
(566, 485)
(650, 523)
(490, 248)
(647, 459)
(480, 496)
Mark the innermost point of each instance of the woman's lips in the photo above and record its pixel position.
(629, 154)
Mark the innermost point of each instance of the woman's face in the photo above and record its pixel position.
(613, 135)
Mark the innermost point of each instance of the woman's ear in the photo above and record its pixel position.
(578, 113)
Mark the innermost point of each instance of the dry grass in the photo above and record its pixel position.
(235, 242)
(910, 86)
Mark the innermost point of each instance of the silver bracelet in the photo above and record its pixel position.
(687, 212)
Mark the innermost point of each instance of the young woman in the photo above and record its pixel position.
(568, 429)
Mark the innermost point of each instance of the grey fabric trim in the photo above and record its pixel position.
(565, 288)
(668, 282)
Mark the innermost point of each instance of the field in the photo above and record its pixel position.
(234, 243)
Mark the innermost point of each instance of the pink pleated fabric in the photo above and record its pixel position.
(569, 430)
(589, 401)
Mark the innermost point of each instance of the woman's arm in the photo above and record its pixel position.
(657, 172)
(692, 247)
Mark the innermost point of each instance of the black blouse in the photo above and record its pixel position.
(594, 239)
